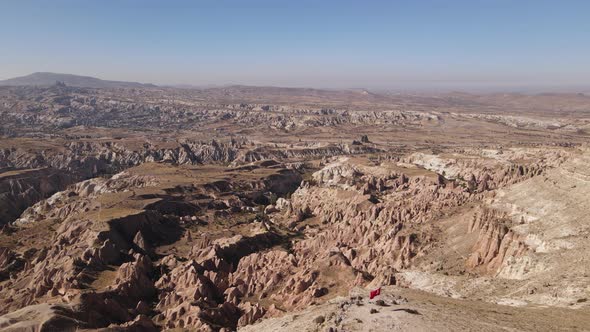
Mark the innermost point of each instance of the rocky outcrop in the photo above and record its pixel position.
(90, 159)
(484, 174)
(10, 263)
(71, 260)
(80, 197)
(21, 188)
(202, 291)
(496, 241)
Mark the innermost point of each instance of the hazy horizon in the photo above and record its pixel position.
(431, 45)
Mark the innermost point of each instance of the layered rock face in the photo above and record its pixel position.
(547, 229)
(20, 189)
(91, 159)
(496, 242)
(88, 159)
(520, 244)
(80, 197)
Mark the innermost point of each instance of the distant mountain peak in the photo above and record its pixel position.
(48, 79)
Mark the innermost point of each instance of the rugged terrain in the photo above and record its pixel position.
(243, 208)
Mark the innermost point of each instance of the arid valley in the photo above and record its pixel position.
(130, 207)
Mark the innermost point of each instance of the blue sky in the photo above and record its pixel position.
(374, 44)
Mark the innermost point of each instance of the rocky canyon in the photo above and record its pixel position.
(144, 208)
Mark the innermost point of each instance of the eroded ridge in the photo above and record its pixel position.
(224, 213)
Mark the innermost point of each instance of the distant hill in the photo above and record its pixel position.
(46, 79)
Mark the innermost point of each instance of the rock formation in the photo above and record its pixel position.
(230, 208)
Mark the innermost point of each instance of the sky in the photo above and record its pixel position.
(325, 44)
